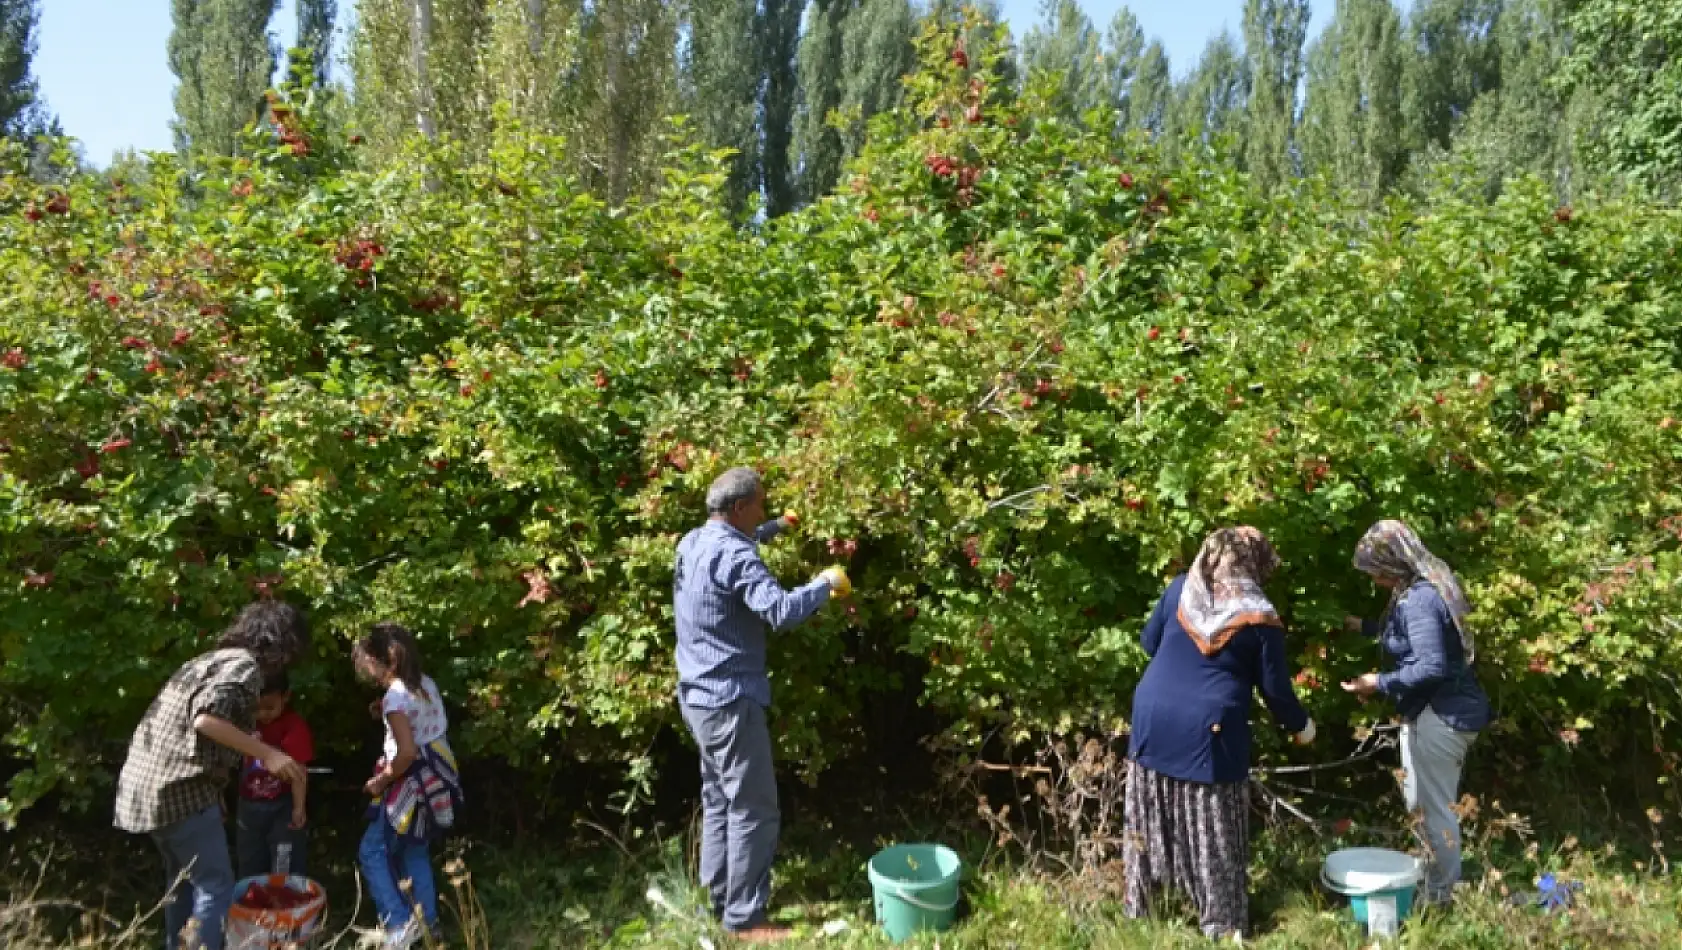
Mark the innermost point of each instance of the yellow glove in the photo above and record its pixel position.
(838, 581)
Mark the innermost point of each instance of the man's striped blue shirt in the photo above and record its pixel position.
(724, 597)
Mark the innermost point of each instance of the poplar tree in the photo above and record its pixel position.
(1274, 31)
(315, 34)
(776, 49)
(1211, 103)
(1352, 126)
(819, 68)
(1151, 96)
(1124, 52)
(723, 78)
(224, 59)
(853, 59)
(1065, 44)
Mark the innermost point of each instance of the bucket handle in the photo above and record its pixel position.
(931, 908)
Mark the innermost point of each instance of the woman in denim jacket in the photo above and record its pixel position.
(1432, 684)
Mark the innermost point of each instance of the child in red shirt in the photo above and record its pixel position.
(271, 813)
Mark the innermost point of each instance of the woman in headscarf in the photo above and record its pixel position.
(1432, 684)
(1213, 639)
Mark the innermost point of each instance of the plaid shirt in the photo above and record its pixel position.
(724, 596)
(172, 772)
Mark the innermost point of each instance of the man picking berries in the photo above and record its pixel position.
(724, 598)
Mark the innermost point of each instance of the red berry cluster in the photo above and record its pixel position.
(433, 302)
(943, 166)
(359, 255)
(286, 126)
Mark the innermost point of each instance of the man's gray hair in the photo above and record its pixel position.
(731, 489)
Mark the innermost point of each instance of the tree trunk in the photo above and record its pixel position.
(420, 39)
(534, 28)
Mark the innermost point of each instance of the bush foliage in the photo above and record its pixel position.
(1010, 373)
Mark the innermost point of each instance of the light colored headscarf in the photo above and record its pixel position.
(1391, 549)
(1223, 590)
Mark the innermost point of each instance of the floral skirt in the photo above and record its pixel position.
(1190, 836)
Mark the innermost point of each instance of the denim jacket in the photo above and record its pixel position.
(1430, 668)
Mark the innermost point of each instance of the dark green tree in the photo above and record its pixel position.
(1452, 58)
(1628, 53)
(852, 60)
(20, 103)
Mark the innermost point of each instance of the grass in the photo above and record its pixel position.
(604, 904)
(592, 889)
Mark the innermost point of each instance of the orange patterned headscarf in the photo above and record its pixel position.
(1223, 590)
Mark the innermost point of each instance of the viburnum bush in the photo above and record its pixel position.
(1009, 374)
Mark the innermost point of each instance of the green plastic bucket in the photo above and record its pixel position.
(916, 888)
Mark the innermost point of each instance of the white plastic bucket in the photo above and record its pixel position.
(1379, 883)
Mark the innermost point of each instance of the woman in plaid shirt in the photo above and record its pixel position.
(183, 752)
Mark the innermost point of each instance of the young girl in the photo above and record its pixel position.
(415, 787)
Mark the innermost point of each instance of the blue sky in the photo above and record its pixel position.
(102, 65)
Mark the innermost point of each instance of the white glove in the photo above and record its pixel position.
(1306, 736)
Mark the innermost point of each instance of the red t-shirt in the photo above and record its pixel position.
(289, 734)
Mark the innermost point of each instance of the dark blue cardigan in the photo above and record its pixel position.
(1430, 667)
(1191, 713)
